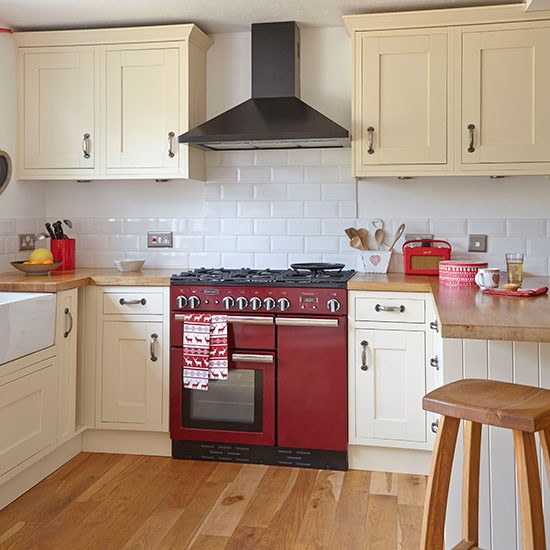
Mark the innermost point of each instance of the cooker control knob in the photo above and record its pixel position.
(228, 302)
(269, 304)
(242, 302)
(181, 301)
(283, 304)
(194, 302)
(333, 305)
(255, 303)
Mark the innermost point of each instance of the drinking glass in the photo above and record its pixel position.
(514, 267)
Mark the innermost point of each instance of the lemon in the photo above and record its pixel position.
(40, 254)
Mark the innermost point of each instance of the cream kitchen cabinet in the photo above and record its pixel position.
(132, 383)
(451, 92)
(110, 103)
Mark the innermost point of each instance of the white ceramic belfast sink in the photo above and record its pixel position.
(27, 323)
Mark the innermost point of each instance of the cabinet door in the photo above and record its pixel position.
(388, 394)
(403, 98)
(132, 371)
(58, 108)
(505, 91)
(65, 339)
(141, 108)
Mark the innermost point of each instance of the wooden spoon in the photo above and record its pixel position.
(398, 234)
(355, 242)
(378, 226)
(364, 236)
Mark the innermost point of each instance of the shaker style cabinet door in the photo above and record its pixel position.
(57, 109)
(505, 91)
(401, 98)
(141, 108)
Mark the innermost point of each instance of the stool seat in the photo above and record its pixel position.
(502, 404)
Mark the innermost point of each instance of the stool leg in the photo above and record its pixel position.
(530, 496)
(545, 444)
(470, 482)
(435, 507)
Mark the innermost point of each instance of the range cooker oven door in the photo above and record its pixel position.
(240, 409)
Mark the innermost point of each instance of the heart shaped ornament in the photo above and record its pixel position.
(375, 259)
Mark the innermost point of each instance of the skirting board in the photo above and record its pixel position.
(382, 459)
(127, 442)
(32, 475)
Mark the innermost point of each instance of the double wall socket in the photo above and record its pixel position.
(26, 241)
(159, 239)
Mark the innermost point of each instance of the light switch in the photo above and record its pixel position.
(477, 243)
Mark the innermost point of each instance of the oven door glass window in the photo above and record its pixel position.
(234, 404)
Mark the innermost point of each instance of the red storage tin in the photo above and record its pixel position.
(423, 257)
(459, 272)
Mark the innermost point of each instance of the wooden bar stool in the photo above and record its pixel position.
(523, 409)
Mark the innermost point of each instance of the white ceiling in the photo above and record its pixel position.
(213, 16)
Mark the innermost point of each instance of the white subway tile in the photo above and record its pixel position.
(347, 209)
(171, 224)
(350, 261)
(270, 158)
(323, 245)
(304, 258)
(213, 158)
(270, 191)
(107, 226)
(537, 247)
(254, 174)
(27, 225)
(7, 226)
(287, 174)
(336, 227)
(133, 226)
(221, 209)
(302, 157)
(188, 243)
(345, 175)
(12, 244)
(304, 191)
(460, 244)
(203, 226)
(82, 226)
(338, 191)
(535, 266)
(443, 227)
(491, 228)
(85, 259)
(273, 261)
(320, 209)
(176, 260)
(220, 243)
(321, 174)
(204, 259)
(93, 243)
(337, 157)
(104, 259)
(287, 209)
(236, 226)
(497, 246)
(344, 244)
(237, 191)
(287, 244)
(304, 227)
(253, 209)
(526, 228)
(151, 261)
(253, 244)
(3, 245)
(124, 242)
(221, 174)
(212, 191)
(235, 260)
(412, 225)
(237, 158)
(270, 227)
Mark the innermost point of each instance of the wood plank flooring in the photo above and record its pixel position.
(106, 501)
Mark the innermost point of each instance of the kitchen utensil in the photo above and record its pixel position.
(35, 269)
(350, 232)
(378, 226)
(127, 264)
(58, 230)
(364, 236)
(317, 266)
(398, 234)
(488, 278)
(424, 260)
(5, 170)
(459, 272)
(50, 230)
(68, 223)
(356, 243)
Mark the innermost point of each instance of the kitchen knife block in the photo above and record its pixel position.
(63, 250)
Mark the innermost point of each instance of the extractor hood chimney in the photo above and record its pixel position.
(274, 117)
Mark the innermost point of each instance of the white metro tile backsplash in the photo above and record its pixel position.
(272, 208)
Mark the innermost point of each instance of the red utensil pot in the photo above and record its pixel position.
(63, 250)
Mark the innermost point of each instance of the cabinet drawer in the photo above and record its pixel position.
(132, 303)
(392, 310)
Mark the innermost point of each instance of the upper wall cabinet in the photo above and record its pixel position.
(110, 103)
(449, 92)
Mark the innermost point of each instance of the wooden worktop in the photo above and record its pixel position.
(465, 312)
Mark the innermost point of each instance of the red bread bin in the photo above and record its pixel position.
(424, 260)
(459, 272)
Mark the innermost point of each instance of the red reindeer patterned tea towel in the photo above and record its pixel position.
(204, 349)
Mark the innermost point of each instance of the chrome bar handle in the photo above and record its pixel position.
(171, 136)
(400, 308)
(364, 365)
(86, 145)
(434, 362)
(471, 128)
(305, 322)
(70, 315)
(370, 140)
(124, 302)
(245, 320)
(435, 426)
(152, 346)
(434, 326)
(251, 358)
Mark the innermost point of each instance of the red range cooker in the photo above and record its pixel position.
(285, 399)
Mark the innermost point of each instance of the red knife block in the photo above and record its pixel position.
(63, 250)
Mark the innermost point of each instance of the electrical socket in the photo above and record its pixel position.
(159, 239)
(477, 243)
(26, 241)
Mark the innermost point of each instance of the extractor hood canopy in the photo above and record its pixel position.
(274, 117)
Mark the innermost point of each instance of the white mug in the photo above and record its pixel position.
(488, 277)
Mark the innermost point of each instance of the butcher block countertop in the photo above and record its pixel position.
(466, 312)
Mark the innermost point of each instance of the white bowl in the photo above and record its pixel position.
(128, 264)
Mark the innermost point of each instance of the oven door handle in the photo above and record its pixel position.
(304, 322)
(251, 358)
(241, 319)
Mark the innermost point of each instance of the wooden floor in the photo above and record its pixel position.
(106, 501)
